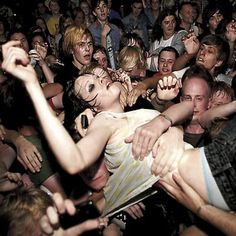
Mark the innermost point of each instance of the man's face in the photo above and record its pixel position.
(207, 56)
(101, 11)
(220, 98)
(155, 4)
(166, 61)
(187, 14)
(214, 20)
(54, 7)
(137, 8)
(196, 90)
(101, 58)
(82, 51)
(23, 40)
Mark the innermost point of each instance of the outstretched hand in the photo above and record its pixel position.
(168, 88)
(183, 193)
(28, 155)
(50, 224)
(146, 135)
(191, 43)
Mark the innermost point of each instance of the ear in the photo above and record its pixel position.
(97, 109)
(209, 103)
(218, 63)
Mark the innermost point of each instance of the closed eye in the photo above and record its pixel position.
(91, 87)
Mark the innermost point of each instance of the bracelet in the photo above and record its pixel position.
(167, 118)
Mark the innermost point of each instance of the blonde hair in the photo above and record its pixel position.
(130, 57)
(72, 36)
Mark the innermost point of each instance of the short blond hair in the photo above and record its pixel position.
(130, 57)
(72, 36)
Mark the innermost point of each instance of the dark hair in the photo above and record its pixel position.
(157, 31)
(73, 104)
(222, 46)
(212, 7)
(16, 30)
(169, 49)
(95, 3)
(41, 34)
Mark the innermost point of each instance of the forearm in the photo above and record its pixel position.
(47, 72)
(182, 61)
(59, 140)
(179, 112)
(151, 82)
(220, 111)
(222, 220)
(51, 90)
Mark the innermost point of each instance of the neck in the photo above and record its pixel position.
(186, 26)
(102, 22)
(77, 64)
(195, 128)
(167, 36)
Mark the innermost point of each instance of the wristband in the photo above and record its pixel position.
(167, 118)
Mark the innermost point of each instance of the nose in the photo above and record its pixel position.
(165, 64)
(87, 47)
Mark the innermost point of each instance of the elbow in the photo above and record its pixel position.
(74, 168)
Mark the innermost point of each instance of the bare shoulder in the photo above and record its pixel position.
(108, 122)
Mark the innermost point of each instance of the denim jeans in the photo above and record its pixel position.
(221, 157)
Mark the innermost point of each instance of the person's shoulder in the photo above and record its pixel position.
(95, 25)
(181, 32)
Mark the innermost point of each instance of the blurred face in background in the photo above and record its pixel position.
(214, 21)
(168, 26)
(23, 40)
(101, 58)
(155, 5)
(82, 51)
(137, 9)
(101, 11)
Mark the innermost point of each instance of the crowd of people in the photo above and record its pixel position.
(118, 118)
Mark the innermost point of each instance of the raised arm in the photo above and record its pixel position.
(146, 135)
(220, 111)
(142, 87)
(72, 157)
(186, 195)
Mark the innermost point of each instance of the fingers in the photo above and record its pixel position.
(171, 191)
(46, 226)
(136, 210)
(31, 161)
(14, 177)
(12, 55)
(133, 96)
(129, 139)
